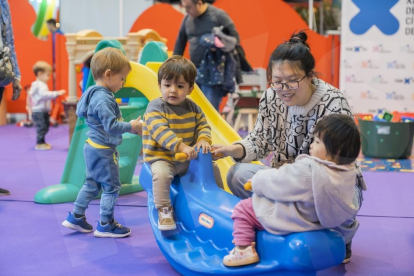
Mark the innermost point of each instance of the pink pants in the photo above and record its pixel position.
(245, 223)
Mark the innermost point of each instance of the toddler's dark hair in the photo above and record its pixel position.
(340, 136)
(175, 66)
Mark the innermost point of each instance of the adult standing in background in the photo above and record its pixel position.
(54, 29)
(7, 42)
(201, 18)
(53, 26)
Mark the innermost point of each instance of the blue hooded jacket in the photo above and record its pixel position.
(101, 112)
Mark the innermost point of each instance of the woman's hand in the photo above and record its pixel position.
(204, 145)
(220, 151)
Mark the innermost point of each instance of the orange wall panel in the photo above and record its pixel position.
(262, 25)
(162, 18)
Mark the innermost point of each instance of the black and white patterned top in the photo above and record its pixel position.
(288, 131)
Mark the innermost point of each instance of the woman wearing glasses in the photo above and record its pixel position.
(288, 113)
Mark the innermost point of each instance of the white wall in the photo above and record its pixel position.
(103, 16)
(377, 63)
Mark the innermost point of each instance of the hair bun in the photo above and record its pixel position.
(299, 37)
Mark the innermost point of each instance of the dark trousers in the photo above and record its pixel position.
(1, 93)
(42, 122)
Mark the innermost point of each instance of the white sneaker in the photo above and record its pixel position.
(239, 257)
(43, 147)
(165, 219)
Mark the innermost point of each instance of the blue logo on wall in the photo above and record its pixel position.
(374, 13)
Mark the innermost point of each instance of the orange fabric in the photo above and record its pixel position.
(162, 18)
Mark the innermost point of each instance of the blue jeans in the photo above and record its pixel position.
(212, 95)
(239, 173)
(102, 172)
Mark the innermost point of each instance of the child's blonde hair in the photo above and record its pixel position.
(175, 66)
(41, 67)
(108, 59)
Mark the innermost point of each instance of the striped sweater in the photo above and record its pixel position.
(166, 126)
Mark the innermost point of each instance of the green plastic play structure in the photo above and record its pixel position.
(75, 170)
(37, 27)
(153, 51)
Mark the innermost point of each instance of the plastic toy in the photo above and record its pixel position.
(248, 186)
(387, 116)
(396, 117)
(407, 119)
(204, 232)
(378, 118)
(183, 156)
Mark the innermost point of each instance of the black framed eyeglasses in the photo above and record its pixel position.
(290, 85)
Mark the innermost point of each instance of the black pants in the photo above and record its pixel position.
(1, 93)
(42, 122)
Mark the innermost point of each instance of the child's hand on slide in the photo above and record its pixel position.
(204, 145)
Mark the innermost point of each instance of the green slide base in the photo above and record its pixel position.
(61, 193)
(134, 187)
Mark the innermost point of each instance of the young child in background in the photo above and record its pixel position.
(172, 124)
(315, 192)
(40, 97)
(102, 114)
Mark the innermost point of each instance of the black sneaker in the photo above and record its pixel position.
(348, 253)
(4, 192)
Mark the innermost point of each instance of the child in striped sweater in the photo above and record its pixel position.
(173, 123)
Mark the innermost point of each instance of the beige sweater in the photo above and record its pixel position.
(307, 195)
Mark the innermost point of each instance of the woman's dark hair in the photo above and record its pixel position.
(340, 136)
(296, 49)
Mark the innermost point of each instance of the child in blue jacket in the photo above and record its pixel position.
(103, 117)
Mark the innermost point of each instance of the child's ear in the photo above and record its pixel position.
(107, 73)
(190, 90)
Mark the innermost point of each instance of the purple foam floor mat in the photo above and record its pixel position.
(382, 246)
(33, 241)
(29, 170)
(37, 243)
(388, 194)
